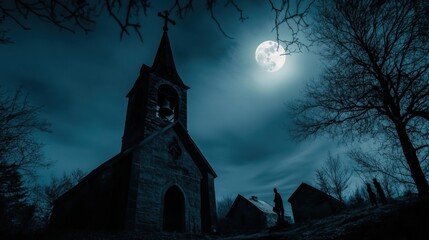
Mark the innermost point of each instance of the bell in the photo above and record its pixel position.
(165, 109)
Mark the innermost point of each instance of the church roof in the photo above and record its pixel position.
(163, 64)
(107, 164)
(185, 138)
(303, 190)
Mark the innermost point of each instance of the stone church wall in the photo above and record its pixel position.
(158, 171)
(212, 199)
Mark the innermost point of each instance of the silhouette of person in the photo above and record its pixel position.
(371, 195)
(379, 191)
(278, 207)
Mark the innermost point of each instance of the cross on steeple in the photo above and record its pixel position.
(166, 20)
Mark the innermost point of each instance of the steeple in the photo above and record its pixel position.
(164, 62)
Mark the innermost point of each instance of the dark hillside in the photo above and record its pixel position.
(404, 219)
(400, 219)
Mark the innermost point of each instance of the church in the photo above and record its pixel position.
(159, 181)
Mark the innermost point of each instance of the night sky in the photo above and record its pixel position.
(237, 112)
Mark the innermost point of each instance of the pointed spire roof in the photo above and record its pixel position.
(164, 62)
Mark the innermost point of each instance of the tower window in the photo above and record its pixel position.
(168, 103)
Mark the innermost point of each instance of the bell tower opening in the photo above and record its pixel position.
(167, 103)
(174, 210)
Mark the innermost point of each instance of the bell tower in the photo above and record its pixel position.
(158, 97)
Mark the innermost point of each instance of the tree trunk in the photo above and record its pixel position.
(412, 160)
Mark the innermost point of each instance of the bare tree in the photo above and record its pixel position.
(224, 205)
(81, 15)
(20, 157)
(19, 121)
(45, 195)
(375, 83)
(368, 165)
(322, 181)
(290, 18)
(390, 167)
(333, 177)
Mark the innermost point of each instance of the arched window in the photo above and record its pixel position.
(167, 103)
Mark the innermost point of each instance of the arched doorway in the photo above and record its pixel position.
(174, 210)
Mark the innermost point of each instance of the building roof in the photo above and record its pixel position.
(264, 207)
(107, 164)
(304, 187)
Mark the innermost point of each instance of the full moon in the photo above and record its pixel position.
(270, 56)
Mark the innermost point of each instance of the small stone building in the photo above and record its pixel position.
(250, 215)
(160, 180)
(310, 203)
